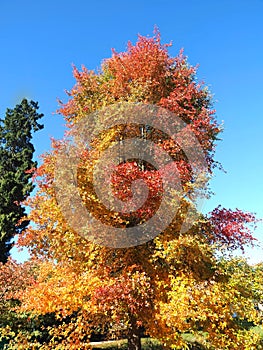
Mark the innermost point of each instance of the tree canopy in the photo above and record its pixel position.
(180, 281)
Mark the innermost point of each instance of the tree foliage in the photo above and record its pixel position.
(20, 328)
(16, 161)
(176, 283)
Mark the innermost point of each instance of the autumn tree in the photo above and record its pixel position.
(20, 327)
(177, 281)
(16, 161)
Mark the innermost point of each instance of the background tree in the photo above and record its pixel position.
(16, 162)
(16, 327)
(173, 284)
(14, 278)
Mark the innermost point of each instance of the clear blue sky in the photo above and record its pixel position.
(40, 40)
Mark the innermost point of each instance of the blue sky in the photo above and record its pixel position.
(40, 40)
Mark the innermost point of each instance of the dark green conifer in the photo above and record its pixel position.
(16, 159)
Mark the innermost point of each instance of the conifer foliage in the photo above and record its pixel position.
(16, 162)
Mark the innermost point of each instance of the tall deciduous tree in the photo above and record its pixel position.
(16, 161)
(174, 283)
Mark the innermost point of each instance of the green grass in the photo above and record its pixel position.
(258, 330)
(147, 344)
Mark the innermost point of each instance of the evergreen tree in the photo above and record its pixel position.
(16, 160)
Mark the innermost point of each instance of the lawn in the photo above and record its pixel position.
(152, 344)
(147, 344)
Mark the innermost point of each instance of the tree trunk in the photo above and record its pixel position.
(134, 336)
